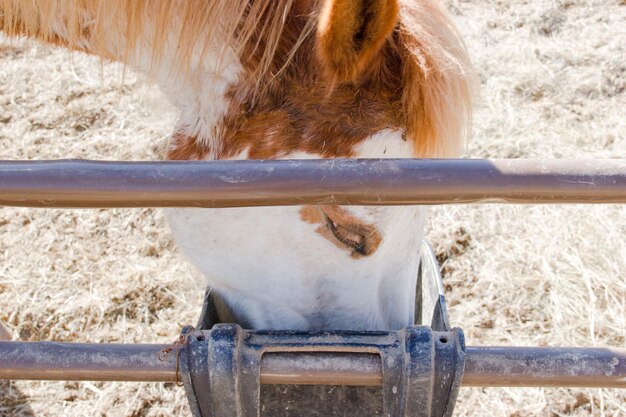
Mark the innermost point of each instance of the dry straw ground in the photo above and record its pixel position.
(552, 75)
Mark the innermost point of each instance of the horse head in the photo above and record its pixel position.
(290, 79)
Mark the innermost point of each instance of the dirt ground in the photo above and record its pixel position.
(552, 86)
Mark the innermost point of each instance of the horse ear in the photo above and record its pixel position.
(350, 33)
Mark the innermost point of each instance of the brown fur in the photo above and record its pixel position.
(438, 80)
(303, 111)
(350, 33)
(185, 148)
(349, 228)
(405, 86)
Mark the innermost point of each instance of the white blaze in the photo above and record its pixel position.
(275, 271)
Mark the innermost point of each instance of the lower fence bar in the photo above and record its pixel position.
(86, 362)
(91, 184)
(545, 367)
(484, 366)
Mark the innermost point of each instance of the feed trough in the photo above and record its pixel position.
(230, 371)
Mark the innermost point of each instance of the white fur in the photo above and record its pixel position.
(275, 271)
(200, 98)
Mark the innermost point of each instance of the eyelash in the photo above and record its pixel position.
(343, 236)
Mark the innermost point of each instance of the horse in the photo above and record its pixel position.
(289, 79)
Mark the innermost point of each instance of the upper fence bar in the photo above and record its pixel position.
(97, 184)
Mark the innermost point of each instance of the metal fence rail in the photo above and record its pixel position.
(484, 366)
(91, 184)
(84, 184)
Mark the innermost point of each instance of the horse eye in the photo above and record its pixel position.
(350, 238)
(363, 239)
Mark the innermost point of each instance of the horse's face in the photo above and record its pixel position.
(343, 93)
(258, 79)
(311, 267)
